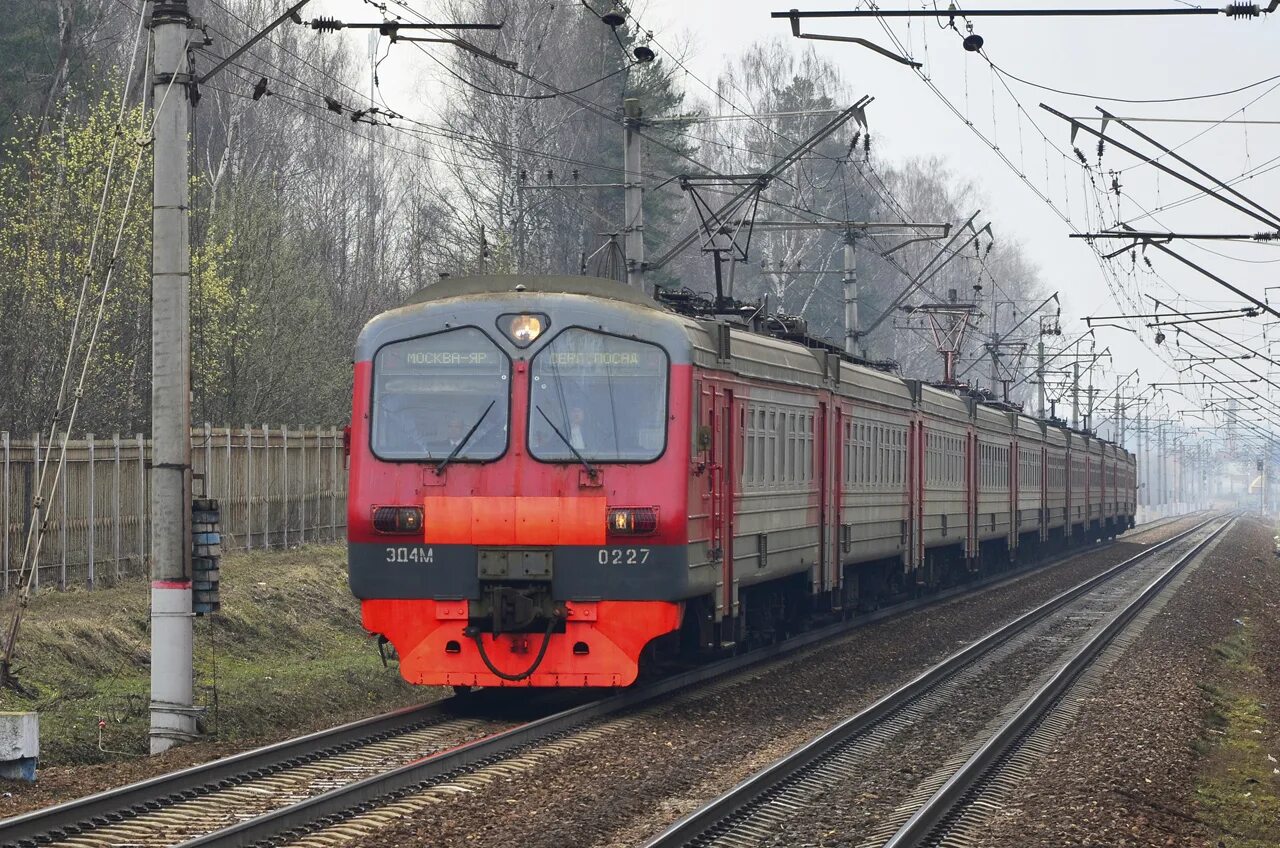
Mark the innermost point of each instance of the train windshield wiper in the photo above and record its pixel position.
(591, 470)
(463, 442)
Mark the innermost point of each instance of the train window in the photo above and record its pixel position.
(847, 468)
(785, 436)
(808, 447)
(438, 394)
(757, 447)
(599, 397)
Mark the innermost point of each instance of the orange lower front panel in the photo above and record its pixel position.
(601, 644)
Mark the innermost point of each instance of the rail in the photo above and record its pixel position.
(83, 815)
(936, 810)
(719, 815)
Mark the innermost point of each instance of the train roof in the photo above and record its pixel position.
(558, 283)
(762, 344)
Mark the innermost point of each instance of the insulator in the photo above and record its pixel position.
(324, 24)
(1242, 10)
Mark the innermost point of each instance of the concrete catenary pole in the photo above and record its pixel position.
(1075, 393)
(994, 341)
(633, 194)
(1040, 374)
(849, 282)
(172, 715)
(1163, 470)
(1142, 458)
(1119, 420)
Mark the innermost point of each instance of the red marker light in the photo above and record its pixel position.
(399, 520)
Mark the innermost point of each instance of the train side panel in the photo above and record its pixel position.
(944, 506)
(1030, 477)
(874, 484)
(995, 448)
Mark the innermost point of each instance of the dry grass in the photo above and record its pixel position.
(286, 654)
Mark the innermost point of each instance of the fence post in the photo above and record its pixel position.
(333, 482)
(37, 515)
(248, 487)
(115, 502)
(266, 486)
(142, 502)
(302, 495)
(227, 487)
(318, 512)
(93, 512)
(319, 484)
(4, 496)
(62, 522)
(284, 482)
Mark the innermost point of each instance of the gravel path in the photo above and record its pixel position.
(634, 775)
(1124, 774)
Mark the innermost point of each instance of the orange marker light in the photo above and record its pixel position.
(633, 521)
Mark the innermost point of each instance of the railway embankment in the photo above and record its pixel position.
(285, 656)
(1180, 744)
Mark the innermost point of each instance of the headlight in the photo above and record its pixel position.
(524, 328)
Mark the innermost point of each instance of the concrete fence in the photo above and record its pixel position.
(279, 487)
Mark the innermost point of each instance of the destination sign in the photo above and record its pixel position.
(595, 357)
(450, 357)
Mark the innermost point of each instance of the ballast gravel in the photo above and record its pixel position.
(1124, 774)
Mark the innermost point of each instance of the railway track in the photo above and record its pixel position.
(853, 767)
(326, 777)
(144, 812)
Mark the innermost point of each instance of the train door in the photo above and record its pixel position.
(1015, 494)
(828, 577)
(1069, 486)
(721, 422)
(972, 473)
(1088, 489)
(1044, 490)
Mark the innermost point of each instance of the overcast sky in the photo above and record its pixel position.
(1141, 58)
(1138, 58)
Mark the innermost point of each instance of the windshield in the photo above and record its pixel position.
(429, 392)
(598, 397)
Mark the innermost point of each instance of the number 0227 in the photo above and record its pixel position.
(623, 556)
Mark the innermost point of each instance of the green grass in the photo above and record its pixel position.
(1237, 788)
(285, 655)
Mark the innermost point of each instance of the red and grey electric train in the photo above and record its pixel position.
(548, 474)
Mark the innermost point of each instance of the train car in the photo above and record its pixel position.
(552, 477)
(1129, 475)
(1095, 465)
(944, 505)
(1077, 485)
(1029, 485)
(994, 439)
(877, 420)
(1057, 522)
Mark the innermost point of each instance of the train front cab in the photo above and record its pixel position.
(517, 506)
